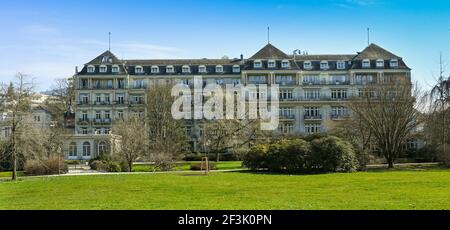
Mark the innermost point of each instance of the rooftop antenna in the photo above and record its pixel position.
(368, 36)
(109, 41)
(268, 35)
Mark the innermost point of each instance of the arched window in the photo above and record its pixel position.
(102, 147)
(91, 69)
(139, 69)
(86, 149)
(73, 149)
(185, 69)
(103, 68)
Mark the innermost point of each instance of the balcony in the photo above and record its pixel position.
(83, 103)
(312, 117)
(140, 102)
(104, 121)
(318, 82)
(287, 116)
(83, 121)
(285, 83)
(102, 103)
(339, 83)
(335, 117)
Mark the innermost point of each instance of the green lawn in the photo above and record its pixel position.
(406, 189)
(9, 174)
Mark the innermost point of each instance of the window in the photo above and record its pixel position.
(120, 114)
(185, 69)
(340, 65)
(73, 149)
(364, 79)
(311, 79)
(219, 69)
(84, 131)
(284, 80)
(91, 69)
(339, 111)
(102, 147)
(236, 69)
(37, 118)
(285, 64)
(312, 111)
(138, 84)
(139, 69)
(286, 128)
(393, 63)
(257, 79)
(84, 116)
(312, 128)
(170, 69)
(257, 64)
(86, 149)
(312, 94)
(286, 112)
(286, 94)
(380, 63)
(155, 69)
(271, 64)
(366, 63)
(103, 69)
(115, 69)
(323, 65)
(338, 79)
(202, 69)
(98, 115)
(339, 94)
(120, 98)
(307, 65)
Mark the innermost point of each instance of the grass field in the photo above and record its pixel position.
(405, 189)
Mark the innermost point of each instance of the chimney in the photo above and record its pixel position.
(76, 69)
(242, 57)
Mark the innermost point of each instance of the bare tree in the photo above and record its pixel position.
(133, 140)
(167, 136)
(18, 107)
(390, 113)
(223, 135)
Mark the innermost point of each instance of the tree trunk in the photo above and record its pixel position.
(217, 157)
(390, 164)
(14, 161)
(130, 166)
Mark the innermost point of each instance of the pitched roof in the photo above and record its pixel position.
(375, 52)
(270, 52)
(105, 58)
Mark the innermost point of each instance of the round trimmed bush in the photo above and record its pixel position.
(332, 154)
(256, 157)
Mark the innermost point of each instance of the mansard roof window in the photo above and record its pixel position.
(186, 69)
(366, 63)
(91, 69)
(219, 69)
(324, 65)
(257, 64)
(155, 69)
(139, 70)
(340, 65)
(115, 69)
(170, 69)
(103, 68)
(285, 64)
(307, 65)
(380, 63)
(393, 63)
(236, 69)
(202, 69)
(271, 64)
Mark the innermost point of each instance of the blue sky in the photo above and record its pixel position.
(47, 39)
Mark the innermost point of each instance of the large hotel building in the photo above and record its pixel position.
(313, 88)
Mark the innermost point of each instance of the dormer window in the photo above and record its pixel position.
(236, 69)
(103, 69)
(285, 64)
(115, 69)
(307, 65)
(139, 69)
(91, 69)
(155, 69)
(366, 63)
(271, 64)
(219, 69)
(340, 65)
(380, 63)
(170, 69)
(202, 69)
(186, 69)
(323, 65)
(257, 64)
(393, 63)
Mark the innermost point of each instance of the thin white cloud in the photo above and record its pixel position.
(38, 29)
(350, 4)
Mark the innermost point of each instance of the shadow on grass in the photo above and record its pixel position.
(382, 169)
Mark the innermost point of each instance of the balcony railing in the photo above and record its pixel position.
(338, 116)
(287, 116)
(313, 117)
(283, 83)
